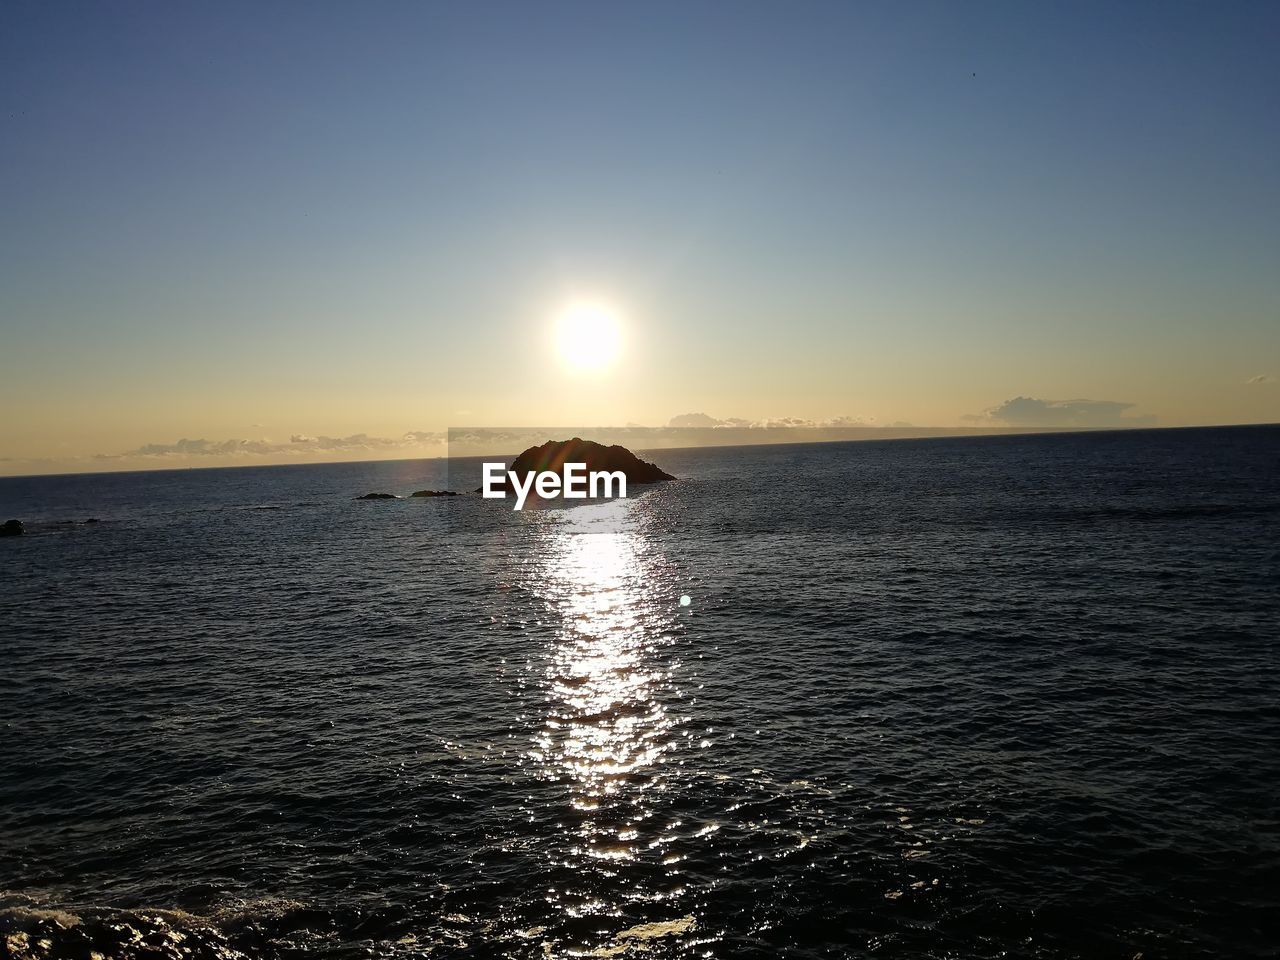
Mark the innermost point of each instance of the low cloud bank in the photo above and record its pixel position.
(702, 421)
(686, 429)
(1033, 412)
(299, 444)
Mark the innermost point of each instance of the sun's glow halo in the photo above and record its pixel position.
(588, 336)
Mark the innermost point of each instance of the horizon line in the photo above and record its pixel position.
(935, 433)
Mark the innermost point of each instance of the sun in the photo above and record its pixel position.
(588, 336)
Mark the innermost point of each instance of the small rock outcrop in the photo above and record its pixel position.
(12, 528)
(434, 493)
(378, 496)
(554, 454)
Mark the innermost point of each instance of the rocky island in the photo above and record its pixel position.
(554, 454)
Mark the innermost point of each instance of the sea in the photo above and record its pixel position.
(1011, 696)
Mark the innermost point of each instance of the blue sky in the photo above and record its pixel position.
(248, 220)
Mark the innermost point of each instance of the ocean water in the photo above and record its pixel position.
(985, 697)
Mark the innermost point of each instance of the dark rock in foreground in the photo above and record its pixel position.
(378, 496)
(554, 454)
(434, 493)
(12, 528)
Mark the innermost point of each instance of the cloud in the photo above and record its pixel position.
(357, 442)
(1032, 412)
(299, 445)
(694, 421)
(784, 423)
(847, 421)
(203, 448)
(1261, 378)
(687, 421)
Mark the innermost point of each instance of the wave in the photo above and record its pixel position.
(267, 928)
(1154, 514)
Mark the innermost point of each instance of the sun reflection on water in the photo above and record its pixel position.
(606, 728)
(609, 724)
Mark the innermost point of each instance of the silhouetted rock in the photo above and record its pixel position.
(433, 493)
(12, 528)
(378, 496)
(554, 454)
(93, 520)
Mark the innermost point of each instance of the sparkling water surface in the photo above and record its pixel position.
(983, 697)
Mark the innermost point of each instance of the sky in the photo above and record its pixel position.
(257, 232)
